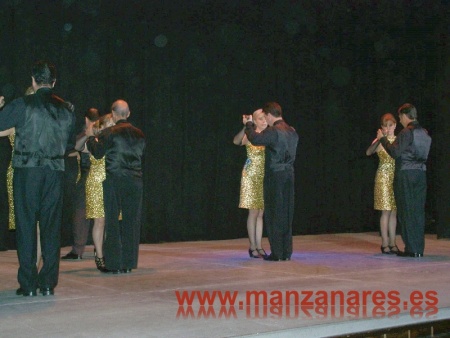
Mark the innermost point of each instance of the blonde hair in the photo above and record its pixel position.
(29, 90)
(257, 112)
(103, 122)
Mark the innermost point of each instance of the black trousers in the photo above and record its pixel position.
(279, 211)
(410, 196)
(81, 225)
(121, 244)
(38, 197)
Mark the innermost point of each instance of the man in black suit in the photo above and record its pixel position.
(44, 127)
(123, 147)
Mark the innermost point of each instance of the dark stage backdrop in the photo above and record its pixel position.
(189, 69)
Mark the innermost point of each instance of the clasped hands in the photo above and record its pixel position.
(380, 134)
(247, 118)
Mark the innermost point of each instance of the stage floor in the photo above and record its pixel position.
(377, 291)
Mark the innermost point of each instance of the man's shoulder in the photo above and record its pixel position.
(138, 132)
(16, 106)
(124, 127)
(128, 125)
(283, 125)
(16, 102)
(57, 100)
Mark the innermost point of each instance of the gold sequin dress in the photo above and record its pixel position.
(9, 186)
(252, 180)
(94, 188)
(384, 181)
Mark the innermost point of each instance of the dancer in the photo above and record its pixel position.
(94, 194)
(81, 224)
(45, 128)
(251, 195)
(410, 150)
(11, 133)
(384, 199)
(5, 155)
(123, 146)
(281, 141)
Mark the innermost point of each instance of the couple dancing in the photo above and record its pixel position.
(267, 184)
(114, 188)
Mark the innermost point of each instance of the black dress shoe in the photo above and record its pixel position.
(114, 272)
(47, 291)
(71, 256)
(125, 270)
(22, 292)
(409, 254)
(272, 258)
(286, 258)
(103, 269)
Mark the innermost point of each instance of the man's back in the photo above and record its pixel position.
(44, 133)
(416, 152)
(124, 148)
(282, 152)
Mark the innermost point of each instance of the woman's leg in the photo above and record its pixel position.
(392, 227)
(259, 229)
(251, 227)
(97, 235)
(258, 233)
(384, 222)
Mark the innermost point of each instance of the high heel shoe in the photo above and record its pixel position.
(385, 250)
(394, 249)
(261, 252)
(100, 263)
(250, 253)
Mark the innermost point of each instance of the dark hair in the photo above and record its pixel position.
(44, 73)
(387, 117)
(409, 110)
(273, 109)
(92, 114)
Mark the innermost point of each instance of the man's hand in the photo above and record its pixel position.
(2, 101)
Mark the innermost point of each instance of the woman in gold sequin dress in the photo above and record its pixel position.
(251, 195)
(384, 199)
(10, 133)
(94, 194)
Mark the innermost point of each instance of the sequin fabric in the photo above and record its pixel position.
(94, 188)
(384, 182)
(9, 186)
(251, 196)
